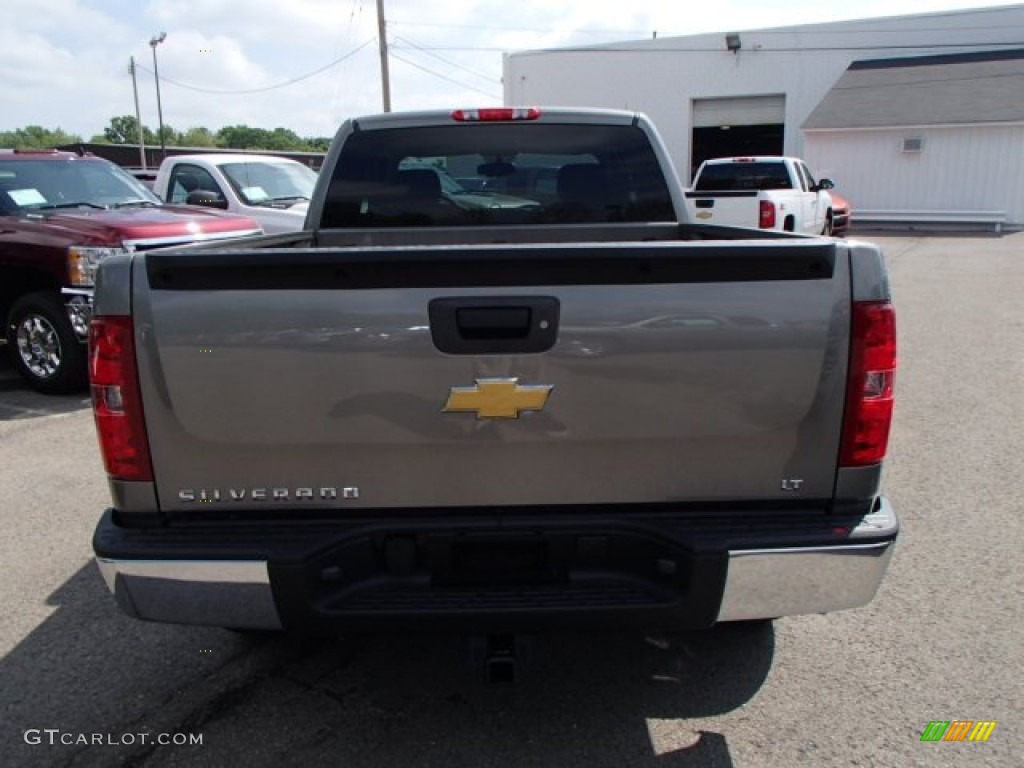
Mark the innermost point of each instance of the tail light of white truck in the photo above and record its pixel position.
(116, 400)
(869, 391)
(766, 215)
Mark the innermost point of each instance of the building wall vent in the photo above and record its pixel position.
(913, 144)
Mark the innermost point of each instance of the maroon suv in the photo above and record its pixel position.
(60, 215)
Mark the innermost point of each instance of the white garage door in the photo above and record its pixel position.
(745, 110)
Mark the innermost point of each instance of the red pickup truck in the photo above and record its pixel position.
(60, 215)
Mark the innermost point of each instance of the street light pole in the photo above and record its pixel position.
(153, 43)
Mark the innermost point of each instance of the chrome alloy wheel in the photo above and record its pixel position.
(38, 346)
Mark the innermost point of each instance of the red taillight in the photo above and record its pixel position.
(766, 218)
(869, 391)
(116, 402)
(495, 114)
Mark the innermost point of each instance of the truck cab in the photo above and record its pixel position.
(274, 191)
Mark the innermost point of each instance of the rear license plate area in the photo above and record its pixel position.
(496, 562)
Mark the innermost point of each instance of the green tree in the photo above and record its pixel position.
(172, 137)
(282, 139)
(317, 143)
(197, 137)
(125, 130)
(241, 137)
(37, 137)
(279, 140)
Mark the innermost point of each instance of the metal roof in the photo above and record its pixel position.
(983, 87)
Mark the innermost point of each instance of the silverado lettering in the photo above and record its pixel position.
(261, 494)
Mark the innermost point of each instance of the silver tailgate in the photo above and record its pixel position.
(291, 380)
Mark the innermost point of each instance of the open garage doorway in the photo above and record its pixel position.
(751, 125)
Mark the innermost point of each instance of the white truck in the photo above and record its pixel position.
(273, 190)
(765, 192)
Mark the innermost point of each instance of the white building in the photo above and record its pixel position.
(916, 118)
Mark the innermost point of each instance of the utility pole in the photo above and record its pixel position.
(138, 116)
(153, 43)
(382, 35)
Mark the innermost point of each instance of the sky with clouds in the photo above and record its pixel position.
(309, 64)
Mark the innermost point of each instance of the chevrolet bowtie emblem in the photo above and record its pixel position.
(497, 398)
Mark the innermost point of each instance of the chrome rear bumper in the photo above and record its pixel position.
(225, 593)
(759, 583)
(768, 583)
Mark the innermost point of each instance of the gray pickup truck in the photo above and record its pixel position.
(580, 410)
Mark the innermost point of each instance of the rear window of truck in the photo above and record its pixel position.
(496, 174)
(743, 176)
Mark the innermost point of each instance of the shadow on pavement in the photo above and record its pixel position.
(587, 700)
(19, 401)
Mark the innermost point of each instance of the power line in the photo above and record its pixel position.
(342, 82)
(818, 29)
(447, 61)
(439, 75)
(268, 87)
(519, 29)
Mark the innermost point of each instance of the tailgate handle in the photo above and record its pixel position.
(705, 203)
(493, 322)
(476, 325)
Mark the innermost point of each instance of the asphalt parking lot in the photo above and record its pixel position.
(941, 641)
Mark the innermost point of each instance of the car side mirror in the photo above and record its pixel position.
(206, 198)
(826, 184)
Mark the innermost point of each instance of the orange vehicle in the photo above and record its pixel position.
(841, 214)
